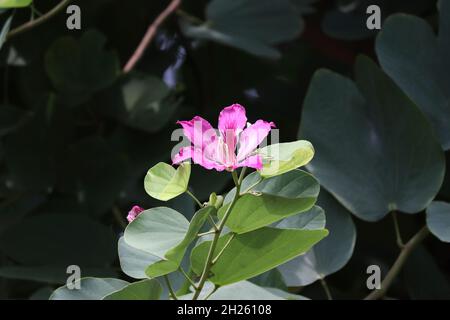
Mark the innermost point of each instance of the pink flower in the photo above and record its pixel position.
(134, 212)
(214, 150)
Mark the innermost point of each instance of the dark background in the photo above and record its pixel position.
(73, 154)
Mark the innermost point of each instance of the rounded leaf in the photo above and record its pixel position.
(164, 182)
(438, 220)
(280, 158)
(90, 289)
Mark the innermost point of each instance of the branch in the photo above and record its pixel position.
(149, 35)
(36, 22)
(408, 248)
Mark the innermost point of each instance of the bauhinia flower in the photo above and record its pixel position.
(233, 146)
(134, 212)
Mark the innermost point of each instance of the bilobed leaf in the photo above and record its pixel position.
(164, 182)
(284, 157)
(420, 65)
(174, 256)
(368, 159)
(271, 200)
(330, 254)
(438, 220)
(133, 262)
(257, 25)
(156, 231)
(14, 3)
(253, 253)
(78, 68)
(90, 289)
(148, 289)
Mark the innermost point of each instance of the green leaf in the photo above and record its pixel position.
(141, 290)
(15, 3)
(271, 200)
(271, 279)
(257, 25)
(139, 101)
(78, 68)
(313, 219)
(363, 151)
(253, 253)
(283, 157)
(90, 289)
(174, 256)
(438, 220)
(5, 30)
(133, 262)
(163, 182)
(66, 239)
(156, 231)
(329, 255)
(420, 65)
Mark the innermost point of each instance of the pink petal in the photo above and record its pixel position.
(252, 162)
(134, 212)
(233, 118)
(199, 156)
(182, 155)
(232, 121)
(199, 131)
(251, 137)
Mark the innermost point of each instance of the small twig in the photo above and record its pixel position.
(214, 261)
(169, 286)
(400, 242)
(195, 198)
(398, 264)
(326, 288)
(206, 233)
(149, 35)
(36, 22)
(192, 283)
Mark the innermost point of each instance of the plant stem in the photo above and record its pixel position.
(212, 248)
(326, 288)
(400, 242)
(150, 34)
(194, 197)
(187, 278)
(169, 286)
(224, 247)
(398, 264)
(36, 22)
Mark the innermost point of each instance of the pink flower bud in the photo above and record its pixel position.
(134, 212)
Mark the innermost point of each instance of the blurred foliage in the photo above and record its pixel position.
(77, 135)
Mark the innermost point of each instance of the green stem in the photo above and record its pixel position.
(224, 247)
(169, 286)
(187, 278)
(36, 22)
(195, 198)
(398, 235)
(326, 288)
(398, 264)
(212, 248)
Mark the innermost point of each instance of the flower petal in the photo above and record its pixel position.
(182, 155)
(251, 137)
(199, 131)
(232, 118)
(254, 161)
